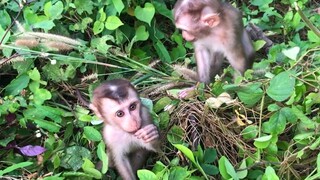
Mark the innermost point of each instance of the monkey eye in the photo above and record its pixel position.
(119, 113)
(132, 106)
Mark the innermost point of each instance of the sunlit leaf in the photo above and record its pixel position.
(53, 11)
(243, 170)
(291, 53)
(145, 14)
(17, 85)
(118, 5)
(141, 34)
(270, 174)
(101, 152)
(262, 142)
(113, 22)
(258, 44)
(89, 168)
(281, 86)
(48, 125)
(250, 132)
(92, 134)
(145, 174)
(14, 167)
(73, 157)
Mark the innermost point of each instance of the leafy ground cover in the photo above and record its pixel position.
(264, 125)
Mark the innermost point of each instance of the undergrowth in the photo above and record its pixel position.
(263, 125)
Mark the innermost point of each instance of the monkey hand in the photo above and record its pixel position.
(147, 133)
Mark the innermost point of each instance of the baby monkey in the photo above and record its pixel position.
(129, 132)
(216, 30)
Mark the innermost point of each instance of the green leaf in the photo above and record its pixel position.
(92, 134)
(14, 167)
(281, 86)
(145, 14)
(312, 37)
(164, 118)
(147, 102)
(315, 144)
(226, 169)
(16, 85)
(178, 173)
(270, 174)
(101, 152)
(305, 120)
(40, 95)
(145, 174)
(84, 6)
(162, 52)
(141, 34)
(175, 135)
(262, 142)
(210, 155)
(276, 124)
(5, 20)
(261, 2)
(48, 125)
(113, 22)
(34, 74)
(162, 9)
(244, 170)
(161, 104)
(56, 161)
(73, 157)
(186, 151)
(291, 53)
(251, 94)
(101, 43)
(53, 11)
(98, 26)
(258, 44)
(88, 167)
(4, 142)
(250, 132)
(210, 169)
(118, 5)
(3, 33)
(34, 86)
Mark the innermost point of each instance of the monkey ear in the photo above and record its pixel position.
(211, 20)
(95, 110)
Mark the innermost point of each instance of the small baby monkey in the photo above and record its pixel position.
(216, 30)
(128, 128)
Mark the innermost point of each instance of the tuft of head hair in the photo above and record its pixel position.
(116, 89)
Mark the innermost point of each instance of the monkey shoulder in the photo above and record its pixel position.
(232, 15)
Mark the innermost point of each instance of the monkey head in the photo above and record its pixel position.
(117, 103)
(196, 19)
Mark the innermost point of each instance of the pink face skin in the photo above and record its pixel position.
(125, 115)
(184, 23)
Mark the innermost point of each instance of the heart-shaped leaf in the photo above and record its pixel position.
(113, 22)
(291, 53)
(145, 14)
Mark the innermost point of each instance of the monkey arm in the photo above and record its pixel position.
(124, 167)
(203, 59)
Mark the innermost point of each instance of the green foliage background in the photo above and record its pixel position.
(50, 48)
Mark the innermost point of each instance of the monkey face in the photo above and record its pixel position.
(125, 114)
